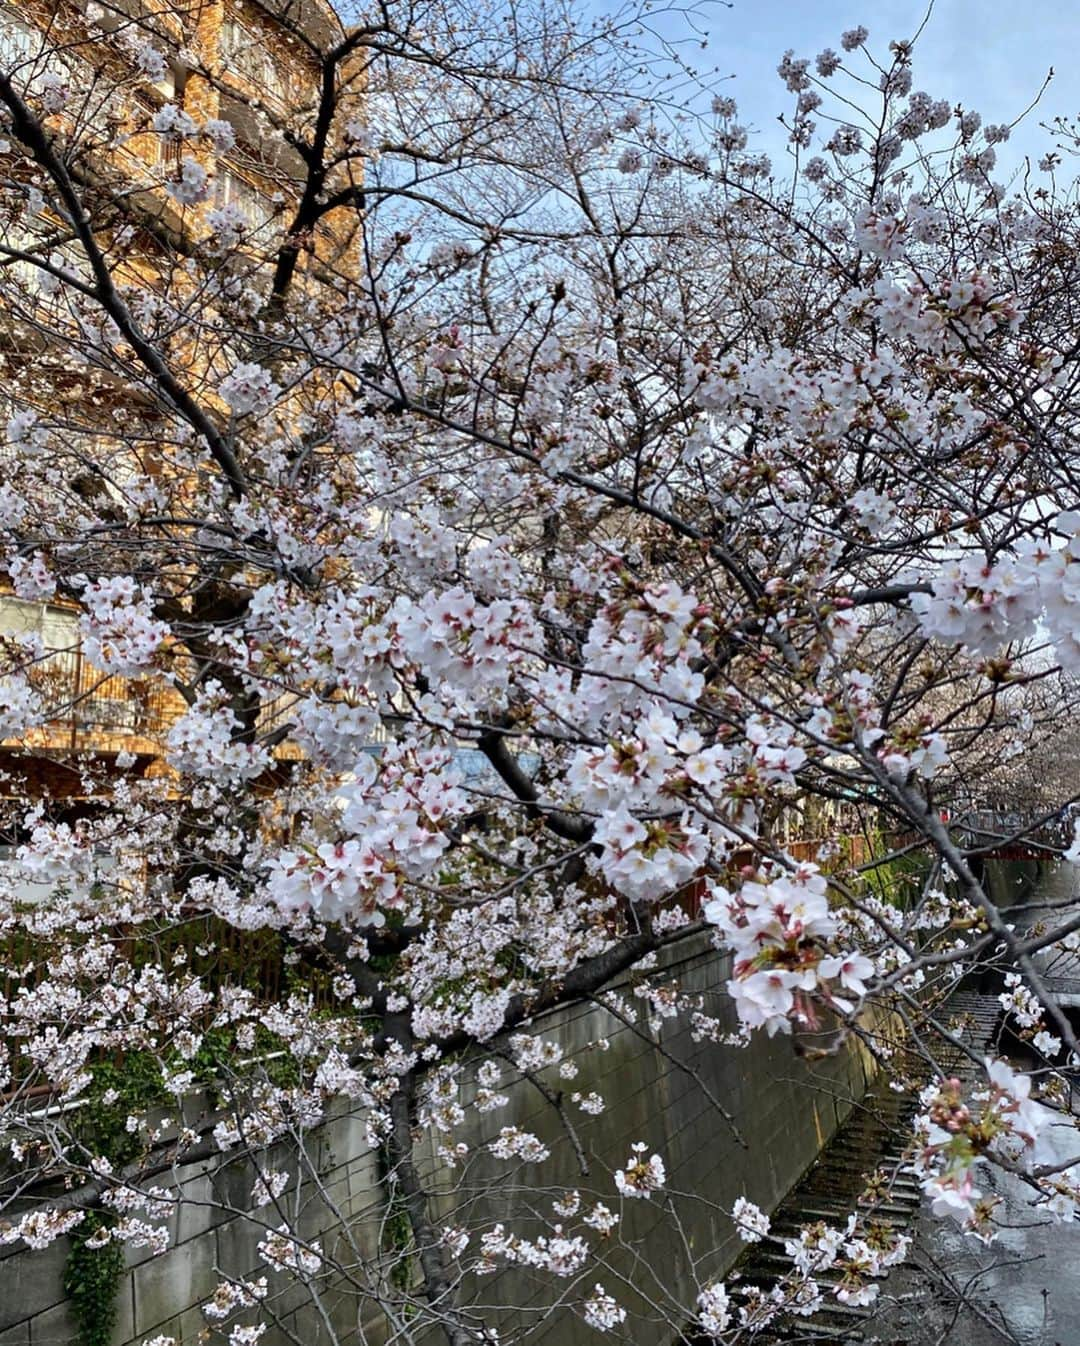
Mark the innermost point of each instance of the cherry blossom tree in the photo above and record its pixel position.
(540, 505)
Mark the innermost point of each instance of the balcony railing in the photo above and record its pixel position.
(87, 703)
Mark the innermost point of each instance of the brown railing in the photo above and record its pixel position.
(89, 703)
(89, 707)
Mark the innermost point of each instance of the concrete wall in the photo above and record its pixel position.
(783, 1108)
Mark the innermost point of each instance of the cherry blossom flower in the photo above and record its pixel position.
(248, 388)
(641, 1177)
(751, 1223)
(191, 184)
(602, 1311)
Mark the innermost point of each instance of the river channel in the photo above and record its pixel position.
(1023, 1289)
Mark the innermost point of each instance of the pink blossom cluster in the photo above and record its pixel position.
(205, 742)
(640, 1177)
(985, 605)
(120, 632)
(248, 388)
(393, 823)
(780, 928)
(1006, 1120)
(560, 1254)
(284, 1252)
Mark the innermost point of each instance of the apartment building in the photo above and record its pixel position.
(238, 62)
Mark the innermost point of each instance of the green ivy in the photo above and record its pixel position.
(397, 1235)
(135, 1080)
(897, 880)
(91, 1280)
(92, 1274)
(131, 1084)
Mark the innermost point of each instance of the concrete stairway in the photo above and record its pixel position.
(861, 1170)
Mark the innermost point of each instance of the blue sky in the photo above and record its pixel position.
(990, 55)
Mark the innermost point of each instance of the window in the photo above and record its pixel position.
(24, 53)
(94, 701)
(15, 236)
(247, 55)
(69, 257)
(17, 42)
(231, 189)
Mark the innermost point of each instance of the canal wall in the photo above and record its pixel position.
(728, 1122)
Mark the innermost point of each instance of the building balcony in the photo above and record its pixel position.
(90, 712)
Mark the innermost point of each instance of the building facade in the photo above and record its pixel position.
(129, 70)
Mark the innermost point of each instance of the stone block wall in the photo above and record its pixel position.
(780, 1111)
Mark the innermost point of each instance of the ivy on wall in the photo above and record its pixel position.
(94, 1268)
(91, 1280)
